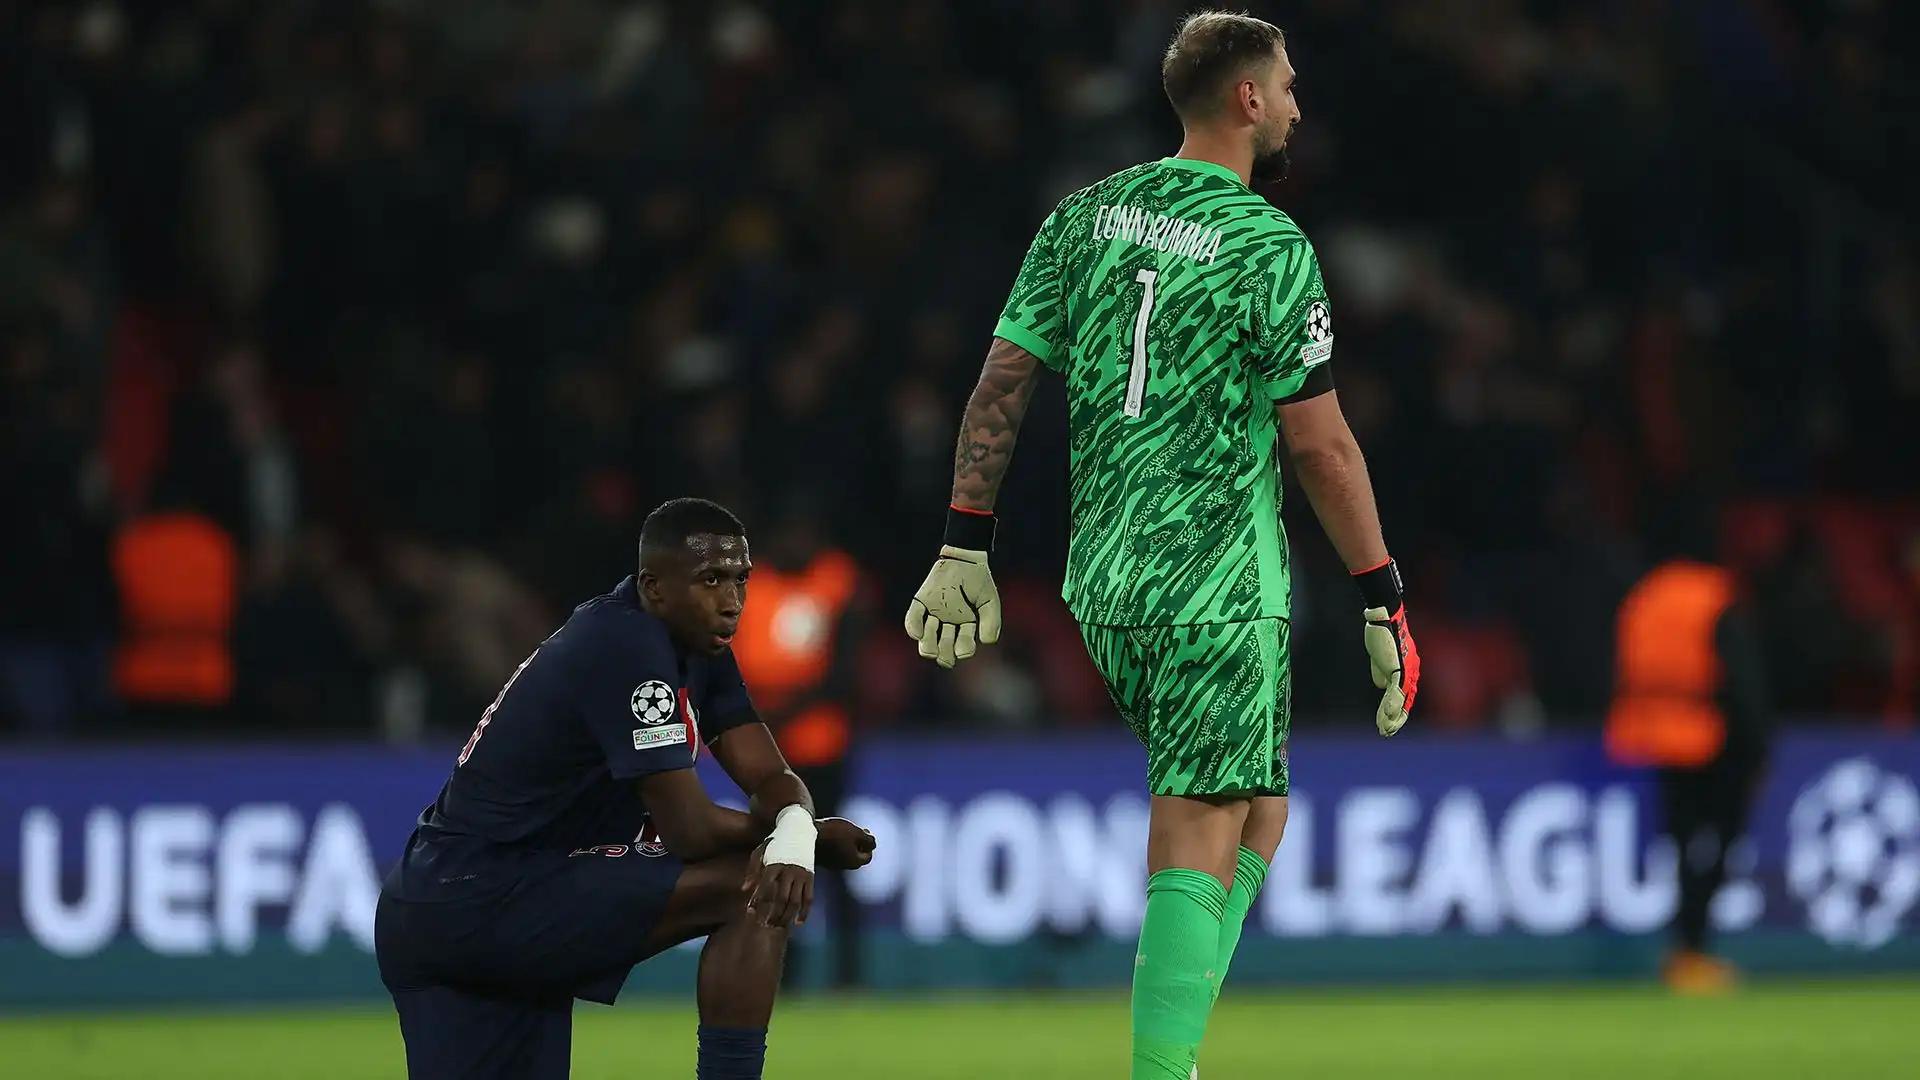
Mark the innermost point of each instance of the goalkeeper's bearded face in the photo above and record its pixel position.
(1282, 112)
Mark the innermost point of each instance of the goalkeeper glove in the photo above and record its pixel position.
(957, 607)
(1390, 647)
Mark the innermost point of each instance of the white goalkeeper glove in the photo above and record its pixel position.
(1390, 649)
(957, 608)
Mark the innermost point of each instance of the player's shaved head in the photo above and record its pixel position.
(1209, 52)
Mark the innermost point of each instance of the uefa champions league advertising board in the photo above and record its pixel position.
(1408, 838)
(173, 874)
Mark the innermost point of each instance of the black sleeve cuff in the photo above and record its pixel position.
(970, 530)
(1380, 587)
(1319, 381)
(711, 730)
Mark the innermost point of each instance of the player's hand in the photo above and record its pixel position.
(1396, 666)
(956, 609)
(1390, 649)
(782, 893)
(842, 845)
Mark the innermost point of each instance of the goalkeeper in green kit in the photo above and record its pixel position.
(1188, 319)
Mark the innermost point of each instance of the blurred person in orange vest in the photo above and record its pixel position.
(798, 647)
(1691, 701)
(178, 576)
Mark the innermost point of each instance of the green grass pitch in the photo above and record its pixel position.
(1857, 1030)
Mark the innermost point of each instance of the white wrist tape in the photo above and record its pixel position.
(793, 836)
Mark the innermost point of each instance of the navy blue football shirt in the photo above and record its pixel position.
(607, 699)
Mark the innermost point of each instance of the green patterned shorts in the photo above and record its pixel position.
(1210, 702)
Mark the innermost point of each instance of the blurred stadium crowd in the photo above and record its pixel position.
(426, 302)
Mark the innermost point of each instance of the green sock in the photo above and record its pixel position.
(1173, 972)
(1248, 876)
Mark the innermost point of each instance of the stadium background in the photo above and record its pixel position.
(426, 303)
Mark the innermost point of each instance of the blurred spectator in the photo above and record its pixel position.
(307, 639)
(54, 270)
(56, 594)
(178, 572)
(1692, 702)
(1802, 617)
(227, 455)
(462, 618)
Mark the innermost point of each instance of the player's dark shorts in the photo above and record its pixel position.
(485, 987)
(1211, 702)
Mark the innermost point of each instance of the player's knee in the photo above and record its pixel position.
(1266, 826)
(712, 893)
(1196, 833)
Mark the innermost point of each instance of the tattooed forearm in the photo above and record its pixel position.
(992, 424)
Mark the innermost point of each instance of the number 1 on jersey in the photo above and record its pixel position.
(1137, 371)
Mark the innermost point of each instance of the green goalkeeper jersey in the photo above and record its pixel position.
(1180, 307)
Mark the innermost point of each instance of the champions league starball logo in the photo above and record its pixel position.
(1853, 855)
(1319, 322)
(652, 702)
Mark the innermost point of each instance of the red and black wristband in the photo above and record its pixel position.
(970, 529)
(1380, 586)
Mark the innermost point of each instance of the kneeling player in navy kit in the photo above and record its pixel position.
(574, 839)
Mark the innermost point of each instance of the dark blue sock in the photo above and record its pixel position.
(731, 1053)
